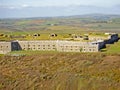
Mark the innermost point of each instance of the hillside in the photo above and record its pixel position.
(60, 71)
(63, 26)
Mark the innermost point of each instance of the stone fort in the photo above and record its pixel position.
(57, 45)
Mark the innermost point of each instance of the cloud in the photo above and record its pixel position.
(15, 6)
(25, 6)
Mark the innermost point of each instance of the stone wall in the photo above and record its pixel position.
(38, 45)
(112, 38)
(72, 46)
(5, 47)
(62, 46)
(57, 45)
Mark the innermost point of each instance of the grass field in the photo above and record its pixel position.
(60, 71)
(60, 26)
(114, 48)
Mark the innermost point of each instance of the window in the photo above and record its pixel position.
(29, 48)
(89, 49)
(54, 48)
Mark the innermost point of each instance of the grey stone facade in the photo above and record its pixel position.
(5, 47)
(62, 46)
(72, 46)
(56, 45)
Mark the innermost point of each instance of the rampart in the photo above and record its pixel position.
(57, 45)
(62, 46)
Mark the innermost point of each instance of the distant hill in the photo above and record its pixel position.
(59, 24)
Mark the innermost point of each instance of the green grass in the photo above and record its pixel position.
(1, 54)
(112, 48)
(30, 52)
(64, 26)
(36, 52)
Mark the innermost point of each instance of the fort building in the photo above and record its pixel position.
(57, 45)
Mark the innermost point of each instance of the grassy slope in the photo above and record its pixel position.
(112, 48)
(115, 48)
(60, 71)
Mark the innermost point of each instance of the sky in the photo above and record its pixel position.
(43, 8)
(36, 3)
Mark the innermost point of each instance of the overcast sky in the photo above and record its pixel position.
(39, 8)
(25, 3)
